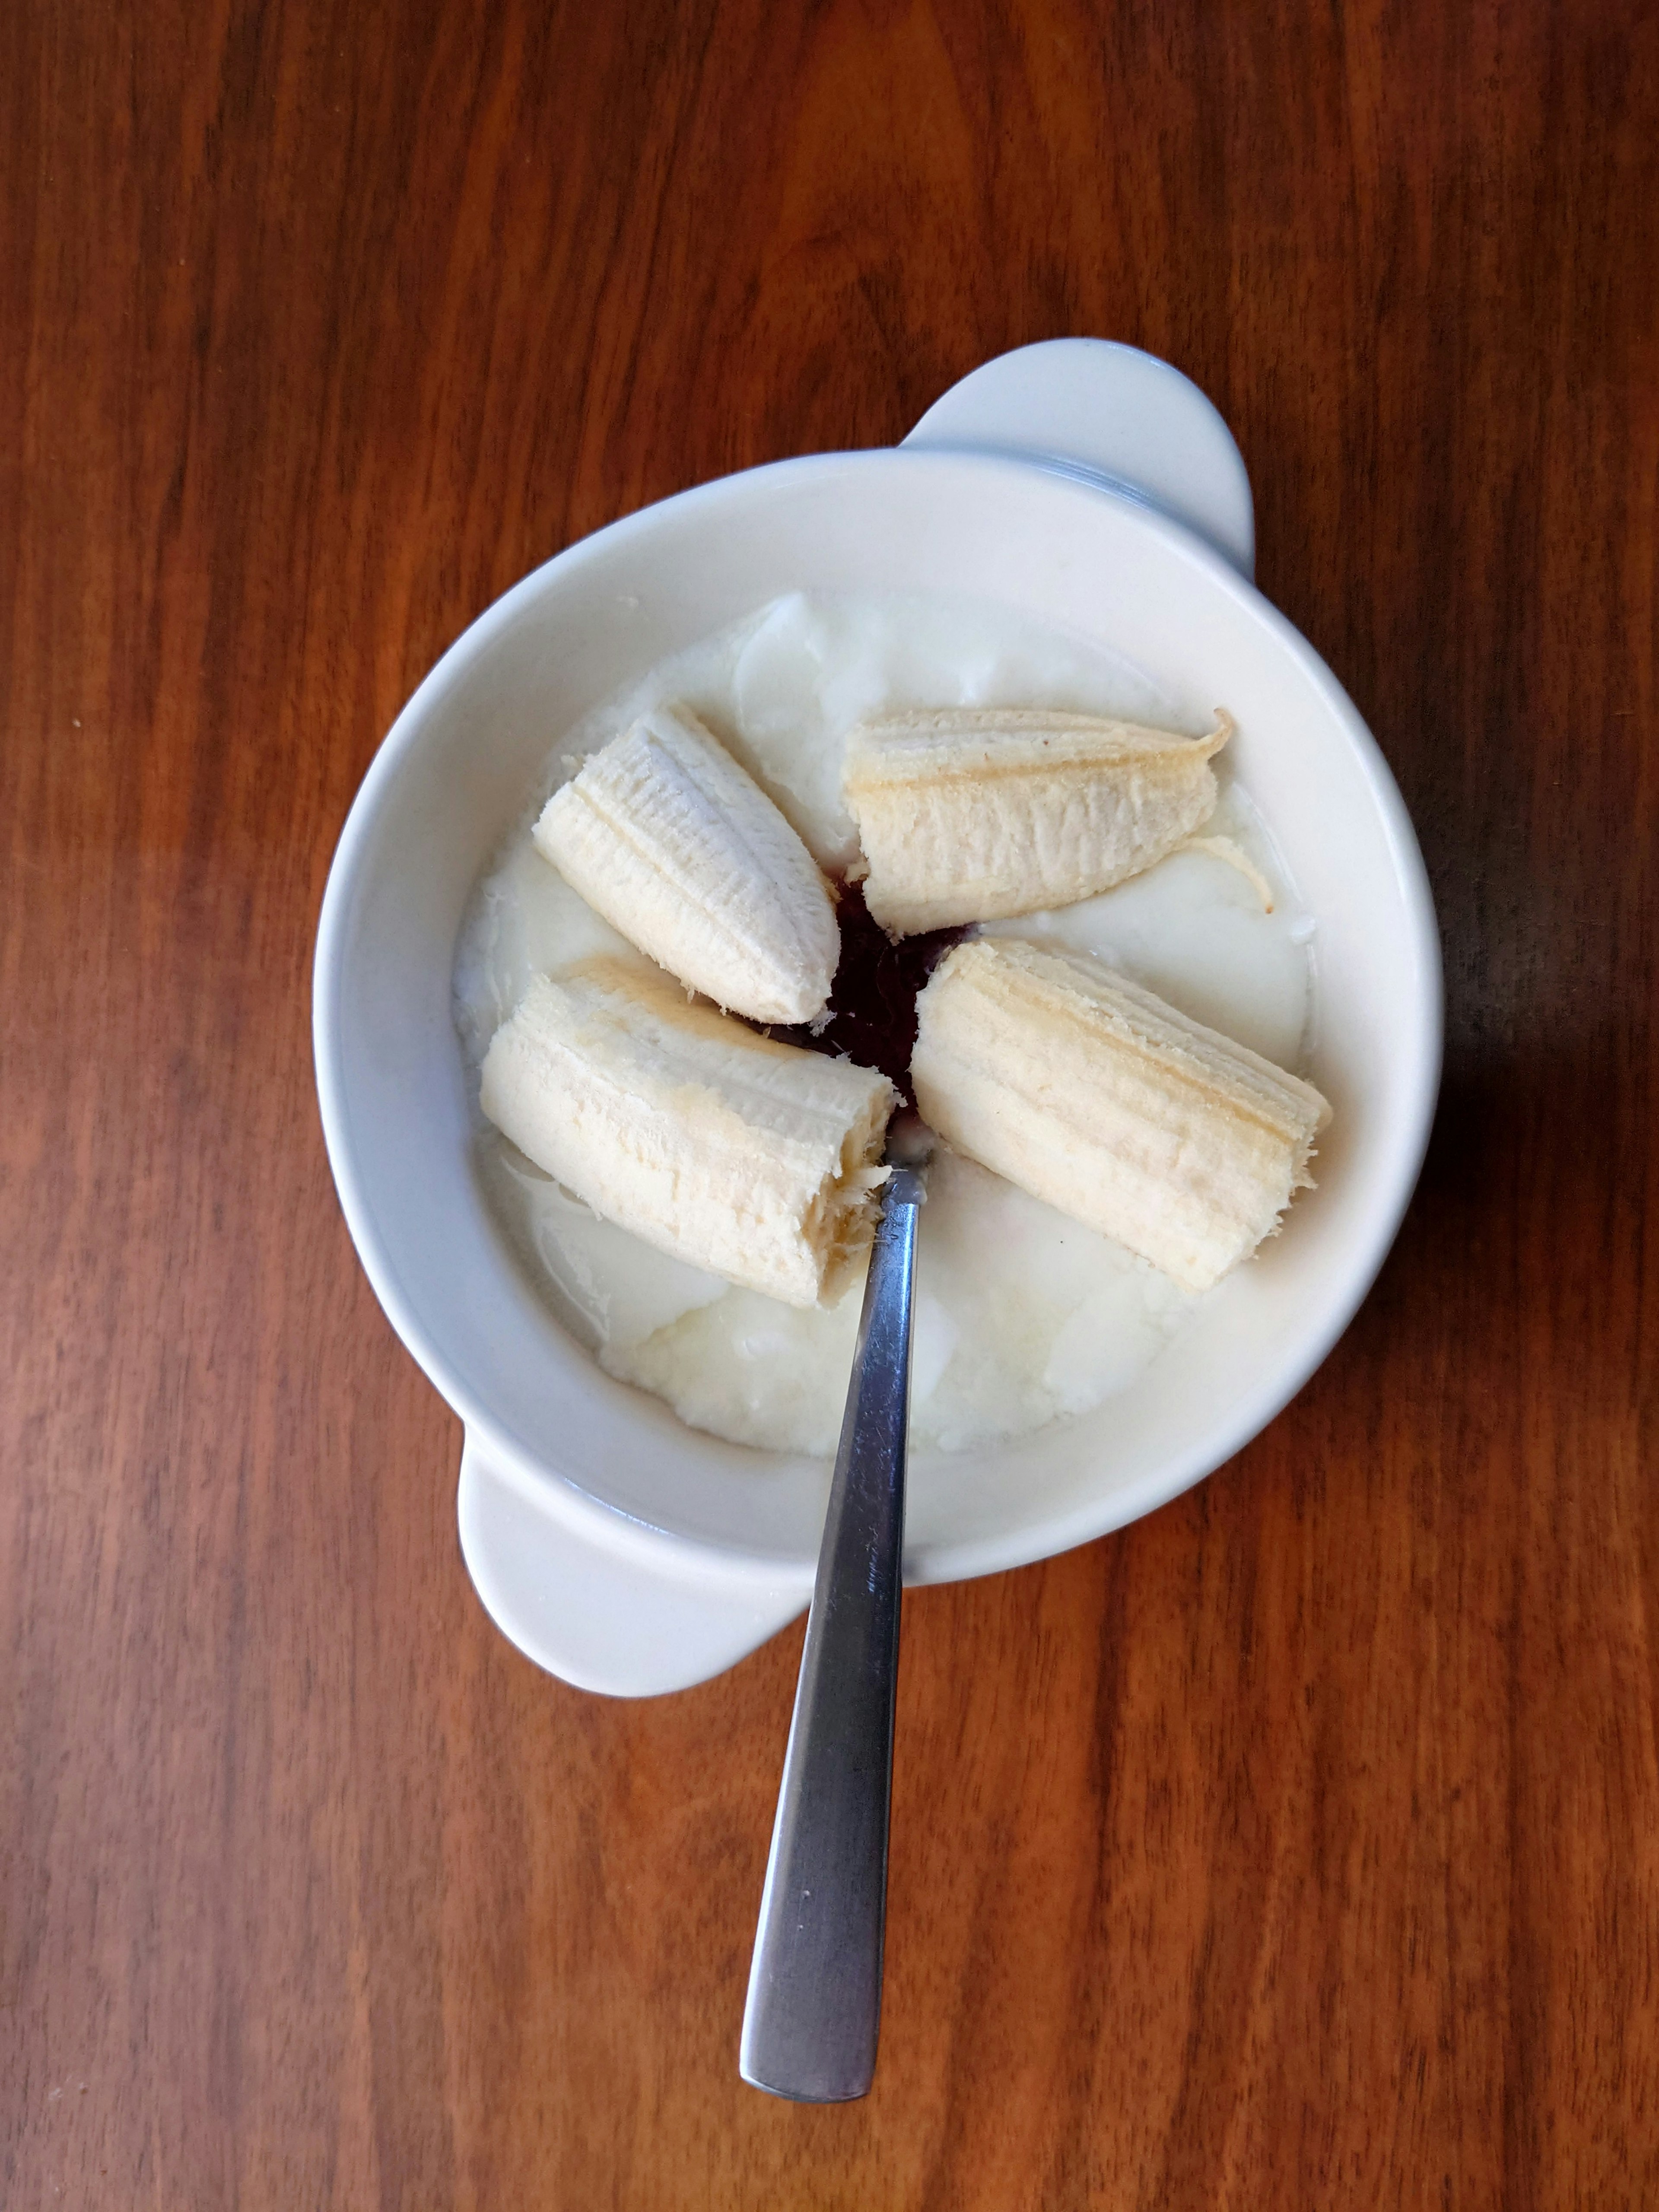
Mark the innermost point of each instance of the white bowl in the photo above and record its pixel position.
(618, 1548)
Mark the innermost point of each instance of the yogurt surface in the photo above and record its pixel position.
(1022, 1315)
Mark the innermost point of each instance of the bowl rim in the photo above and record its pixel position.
(684, 1556)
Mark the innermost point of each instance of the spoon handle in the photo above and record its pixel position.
(814, 2008)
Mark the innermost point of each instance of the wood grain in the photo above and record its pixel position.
(1298, 1847)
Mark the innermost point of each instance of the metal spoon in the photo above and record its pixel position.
(814, 2008)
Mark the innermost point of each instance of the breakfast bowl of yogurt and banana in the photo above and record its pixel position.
(975, 780)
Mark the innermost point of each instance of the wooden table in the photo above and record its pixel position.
(1298, 1846)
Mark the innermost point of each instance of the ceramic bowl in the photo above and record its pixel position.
(1081, 483)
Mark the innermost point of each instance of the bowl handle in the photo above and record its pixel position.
(1113, 416)
(594, 1615)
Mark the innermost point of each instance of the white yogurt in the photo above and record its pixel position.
(1065, 1318)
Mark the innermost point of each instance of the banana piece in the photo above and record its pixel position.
(1098, 1097)
(971, 814)
(755, 1160)
(664, 834)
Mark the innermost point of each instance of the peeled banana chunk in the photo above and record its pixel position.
(755, 1160)
(972, 814)
(1100, 1098)
(667, 836)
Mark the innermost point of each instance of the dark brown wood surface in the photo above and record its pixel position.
(1298, 1846)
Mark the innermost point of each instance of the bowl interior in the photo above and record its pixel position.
(455, 771)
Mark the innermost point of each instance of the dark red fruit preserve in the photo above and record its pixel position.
(873, 1007)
